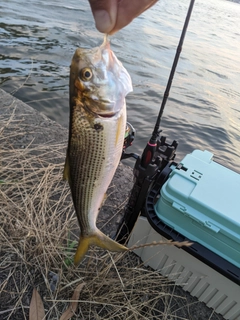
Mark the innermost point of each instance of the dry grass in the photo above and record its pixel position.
(37, 237)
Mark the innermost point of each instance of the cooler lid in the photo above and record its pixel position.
(207, 192)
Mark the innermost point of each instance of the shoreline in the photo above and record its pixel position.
(38, 130)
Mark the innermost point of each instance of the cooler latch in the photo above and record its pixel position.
(207, 224)
(213, 227)
(179, 207)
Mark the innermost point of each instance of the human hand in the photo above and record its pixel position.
(112, 15)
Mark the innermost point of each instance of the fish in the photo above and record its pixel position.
(98, 86)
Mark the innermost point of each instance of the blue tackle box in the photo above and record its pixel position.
(200, 201)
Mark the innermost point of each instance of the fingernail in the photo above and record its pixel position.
(103, 21)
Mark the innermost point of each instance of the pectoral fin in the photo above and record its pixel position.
(66, 171)
(98, 239)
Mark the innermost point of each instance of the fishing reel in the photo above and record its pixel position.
(128, 140)
(151, 167)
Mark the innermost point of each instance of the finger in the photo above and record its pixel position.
(104, 13)
(128, 10)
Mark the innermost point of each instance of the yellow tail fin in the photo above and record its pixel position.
(98, 239)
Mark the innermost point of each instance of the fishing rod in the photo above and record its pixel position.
(149, 150)
(155, 156)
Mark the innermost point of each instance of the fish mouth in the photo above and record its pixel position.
(106, 115)
(102, 114)
(108, 109)
(102, 108)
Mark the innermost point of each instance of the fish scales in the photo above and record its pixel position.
(98, 86)
(87, 153)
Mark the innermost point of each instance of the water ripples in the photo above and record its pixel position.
(37, 42)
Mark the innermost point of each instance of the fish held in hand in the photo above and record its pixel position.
(98, 86)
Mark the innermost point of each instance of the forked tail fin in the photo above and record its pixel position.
(98, 239)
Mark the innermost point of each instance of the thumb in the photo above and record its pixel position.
(104, 13)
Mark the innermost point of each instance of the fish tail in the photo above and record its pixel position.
(98, 239)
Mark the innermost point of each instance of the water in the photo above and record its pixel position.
(37, 42)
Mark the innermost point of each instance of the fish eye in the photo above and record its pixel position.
(86, 74)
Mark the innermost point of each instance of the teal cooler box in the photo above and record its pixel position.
(198, 200)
